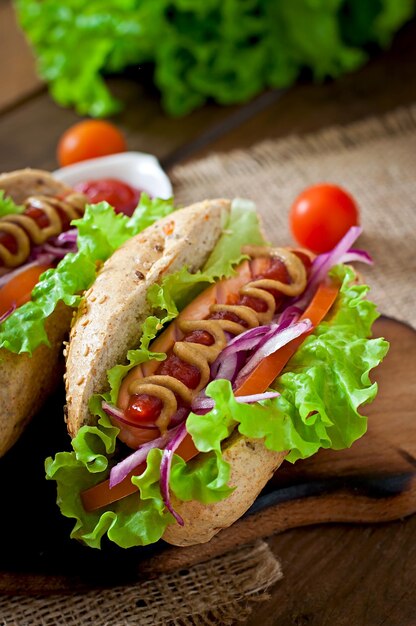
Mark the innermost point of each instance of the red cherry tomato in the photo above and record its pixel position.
(89, 139)
(18, 290)
(121, 196)
(321, 216)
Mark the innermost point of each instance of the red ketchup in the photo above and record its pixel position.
(120, 195)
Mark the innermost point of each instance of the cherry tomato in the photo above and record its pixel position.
(18, 290)
(89, 139)
(122, 197)
(321, 216)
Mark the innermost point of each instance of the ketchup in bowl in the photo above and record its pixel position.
(120, 195)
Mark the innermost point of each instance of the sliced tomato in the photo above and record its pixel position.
(18, 290)
(257, 382)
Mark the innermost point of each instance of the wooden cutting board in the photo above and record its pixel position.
(374, 481)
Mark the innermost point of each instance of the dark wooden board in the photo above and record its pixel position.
(374, 481)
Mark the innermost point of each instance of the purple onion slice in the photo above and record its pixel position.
(7, 313)
(202, 402)
(180, 416)
(165, 468)
(121, 470)
(229, 360)
(323, 263)
(58, 253)
(362, 256)
(228, 367)
(290, 314)
(68, 236)
(279, 339)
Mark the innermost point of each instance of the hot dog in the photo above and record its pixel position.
(208, 389)
(47, 208)
(52, 243)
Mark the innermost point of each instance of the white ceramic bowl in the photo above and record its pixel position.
(137, 169)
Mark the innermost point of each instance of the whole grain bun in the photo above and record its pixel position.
(26, 381)
(21, 184)
(108, 325)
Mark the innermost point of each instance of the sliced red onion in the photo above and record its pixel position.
(180, 416)
(165, 467)
(243, 340)
(7, 313)
(68, 236)
(290, 314)
(229, 360)
(121, 470)
(356, 255)
(323, 263)
(229, 366)
(58, 246)
(203, 402)
(58, 253)
(279, 339)
(119, 415)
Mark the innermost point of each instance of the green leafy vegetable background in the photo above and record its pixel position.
(227, 50)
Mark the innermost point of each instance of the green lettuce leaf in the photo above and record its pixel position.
(201, 49)
(321, 389)
(8, 206)
(100, 232)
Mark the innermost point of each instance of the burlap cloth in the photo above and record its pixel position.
(376, 161)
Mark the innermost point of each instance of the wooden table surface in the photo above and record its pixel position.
(333, 575)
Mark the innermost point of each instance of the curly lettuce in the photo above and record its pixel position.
(8, 206)
(201, 50)
(321, 389)
(100, 232)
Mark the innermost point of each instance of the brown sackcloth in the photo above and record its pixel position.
(376, 161)
(217, 592)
